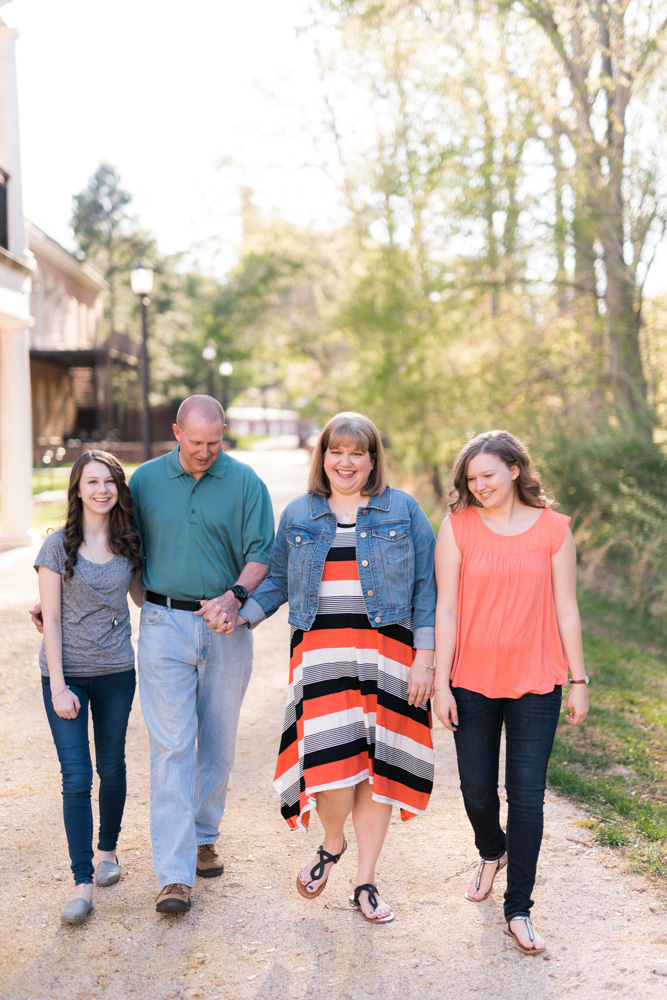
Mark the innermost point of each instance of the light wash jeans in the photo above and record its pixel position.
(192, 682)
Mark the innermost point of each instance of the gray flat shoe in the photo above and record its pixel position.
(76, 911)
(108, 873)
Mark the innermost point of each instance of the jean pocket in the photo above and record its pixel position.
(151, 615)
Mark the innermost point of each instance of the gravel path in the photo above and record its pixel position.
(249, 934)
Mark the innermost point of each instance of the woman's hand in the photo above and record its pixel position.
(577, 702)
(444, 706)
(420, 683)
(66, 704)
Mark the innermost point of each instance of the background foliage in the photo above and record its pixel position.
(502, 174)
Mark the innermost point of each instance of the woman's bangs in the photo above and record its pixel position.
(349, 437)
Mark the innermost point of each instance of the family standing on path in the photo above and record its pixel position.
(371, 643)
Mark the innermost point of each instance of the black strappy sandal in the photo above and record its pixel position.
(531, 936)
(500, 863)
(318, 870)
(373, 900)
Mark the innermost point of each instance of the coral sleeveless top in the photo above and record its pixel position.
(507, 640)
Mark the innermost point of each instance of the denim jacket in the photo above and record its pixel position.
(395, 558)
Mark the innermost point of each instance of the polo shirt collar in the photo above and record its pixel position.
(175, 469)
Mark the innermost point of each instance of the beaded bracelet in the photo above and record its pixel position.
(66, 688)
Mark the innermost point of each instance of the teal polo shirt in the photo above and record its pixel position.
(198, 534)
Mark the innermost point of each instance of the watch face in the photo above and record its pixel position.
(240, 592)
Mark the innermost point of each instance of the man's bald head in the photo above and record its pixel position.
(200, 407)
(199, 428)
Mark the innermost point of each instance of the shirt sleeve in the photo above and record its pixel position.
(52, 554)
(559, 525)
(258, 524)
(136, 502)
(457, 523)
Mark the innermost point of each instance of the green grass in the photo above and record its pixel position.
(48, 515)
(50, 479)
(616, 762)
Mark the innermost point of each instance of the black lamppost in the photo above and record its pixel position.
(141, 278)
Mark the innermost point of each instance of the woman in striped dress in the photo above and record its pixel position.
(354, 559)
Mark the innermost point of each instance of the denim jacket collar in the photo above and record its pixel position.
(320, 505)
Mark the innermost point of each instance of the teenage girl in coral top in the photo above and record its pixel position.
(507, 633)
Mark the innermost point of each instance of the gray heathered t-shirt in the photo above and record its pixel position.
(95, 616)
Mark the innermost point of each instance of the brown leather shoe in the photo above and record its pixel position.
(173, 899)
(209, 862)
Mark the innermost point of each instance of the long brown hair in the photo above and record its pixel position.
(509, 450)
(123, 535)
(349, 428)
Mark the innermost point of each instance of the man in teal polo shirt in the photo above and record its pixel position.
(207, 527)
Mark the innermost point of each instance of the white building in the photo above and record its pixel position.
(16, 268)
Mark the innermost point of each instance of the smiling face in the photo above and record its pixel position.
(200, 440)
(490, 480)
(347, 467)
(98, 490)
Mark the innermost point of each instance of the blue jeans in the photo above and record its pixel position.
(110, 699)
(530, 726)
(192, 682)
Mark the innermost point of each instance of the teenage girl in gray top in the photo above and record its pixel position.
(85, 572)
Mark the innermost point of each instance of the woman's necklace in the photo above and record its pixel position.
(98, 558)
(347, 515)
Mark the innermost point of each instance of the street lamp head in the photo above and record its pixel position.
(141, 278)
(209, 352)
(226, 368)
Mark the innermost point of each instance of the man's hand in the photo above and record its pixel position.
(37, 620)
(220, 612)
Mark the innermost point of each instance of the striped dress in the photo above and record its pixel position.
(347, 718)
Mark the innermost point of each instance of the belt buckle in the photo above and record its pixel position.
(169, 603)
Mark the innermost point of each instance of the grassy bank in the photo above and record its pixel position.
(616, 763)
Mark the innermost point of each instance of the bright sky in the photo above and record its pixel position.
(168, 91)
(190, 101)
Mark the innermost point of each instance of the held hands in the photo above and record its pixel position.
(220, 613)
(577, 703)
(444, 706)
(66, 704)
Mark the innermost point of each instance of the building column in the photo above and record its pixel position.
(15, 438)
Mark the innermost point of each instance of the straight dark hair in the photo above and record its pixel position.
(509, 450)
(123, 536)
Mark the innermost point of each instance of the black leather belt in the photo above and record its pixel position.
(171, 602)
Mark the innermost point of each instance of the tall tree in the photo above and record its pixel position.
(612, 55)
(106, 233)
(590, 80)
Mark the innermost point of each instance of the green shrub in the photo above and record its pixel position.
(614, 484)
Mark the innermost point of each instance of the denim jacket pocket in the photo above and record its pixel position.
(392, 540)
(301, 553)
(392, 553)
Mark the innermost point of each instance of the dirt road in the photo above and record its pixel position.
(249, 934)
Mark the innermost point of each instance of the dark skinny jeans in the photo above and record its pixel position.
(530, 726)
(110, 699)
